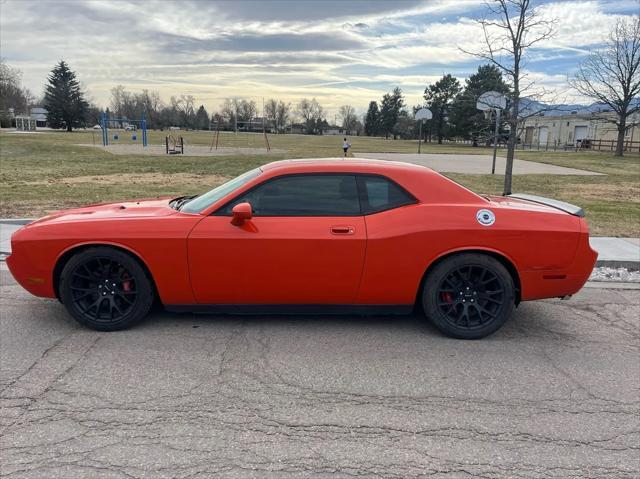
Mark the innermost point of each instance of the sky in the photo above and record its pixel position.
(340, 52)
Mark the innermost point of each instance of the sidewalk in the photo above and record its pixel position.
(612, 252)
(617, 252)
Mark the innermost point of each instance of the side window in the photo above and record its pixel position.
(304, 195)
(380, 194)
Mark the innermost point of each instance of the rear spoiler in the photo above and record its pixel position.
(560, 205)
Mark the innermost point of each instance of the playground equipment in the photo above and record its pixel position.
(215, 139)
(25, 123)
(123, 123)
(174, 146)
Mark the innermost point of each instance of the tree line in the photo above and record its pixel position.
(453, 107)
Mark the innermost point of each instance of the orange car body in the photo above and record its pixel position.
(380, 259)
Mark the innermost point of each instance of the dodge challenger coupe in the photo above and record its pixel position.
(311, 236)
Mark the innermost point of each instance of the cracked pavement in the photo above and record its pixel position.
(555, 393)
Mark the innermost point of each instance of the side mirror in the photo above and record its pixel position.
(241, 213)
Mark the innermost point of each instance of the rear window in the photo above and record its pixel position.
(380, 194)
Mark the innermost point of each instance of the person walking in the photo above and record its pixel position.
(345, 146)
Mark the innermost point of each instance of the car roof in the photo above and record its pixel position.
(413, 178)
(355, 165)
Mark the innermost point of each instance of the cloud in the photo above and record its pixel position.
(338, 51)
(268, 42)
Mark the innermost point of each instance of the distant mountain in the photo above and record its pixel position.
(531, 107)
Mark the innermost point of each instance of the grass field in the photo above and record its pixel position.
(48, 171)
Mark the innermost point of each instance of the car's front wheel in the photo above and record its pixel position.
(468, 296)
(105, 289)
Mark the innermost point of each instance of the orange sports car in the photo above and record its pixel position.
(311, 236)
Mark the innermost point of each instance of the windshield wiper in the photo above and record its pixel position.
(180, 201)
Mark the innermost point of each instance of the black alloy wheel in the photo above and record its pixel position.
(105, 289)
(469, 295)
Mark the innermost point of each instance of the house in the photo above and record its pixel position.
(37, 118)
(297, 128)
(40, 116)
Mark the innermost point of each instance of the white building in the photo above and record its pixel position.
(40, 116)
(37, 118)
(577, 130)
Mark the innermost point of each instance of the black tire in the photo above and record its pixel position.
(105, 289)
(468, 296)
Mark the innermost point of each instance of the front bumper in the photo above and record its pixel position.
(33, 276)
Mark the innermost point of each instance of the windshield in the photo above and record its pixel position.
(202, 202)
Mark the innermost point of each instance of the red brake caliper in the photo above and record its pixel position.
(447, 297)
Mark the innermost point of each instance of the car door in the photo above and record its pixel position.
(305, 244)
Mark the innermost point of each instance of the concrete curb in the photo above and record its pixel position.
(611, 285)
(17, 221)
(610, 263)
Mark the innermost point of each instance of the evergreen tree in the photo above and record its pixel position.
(468, 121)
(372, 120)
(63, 98)
(392, 103)
(439, 97)
(202, 119)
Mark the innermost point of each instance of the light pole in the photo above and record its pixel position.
(488, 101)
(422, 114)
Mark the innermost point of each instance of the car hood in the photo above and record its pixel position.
(123, 209)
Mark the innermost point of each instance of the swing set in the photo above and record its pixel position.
(123, 123)
(173, 145)
(215, 139)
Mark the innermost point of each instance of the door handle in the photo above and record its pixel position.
(342, 230)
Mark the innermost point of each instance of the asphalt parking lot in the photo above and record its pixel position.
(555, 393)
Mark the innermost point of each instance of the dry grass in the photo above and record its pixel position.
(49, 171)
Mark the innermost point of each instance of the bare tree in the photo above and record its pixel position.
(611, 76)
(349, 117)
(247, 110)
(518, 26)
(120, 101)
(229, 111)
(13, 97)
(282, 115)
(312, 115)
(152, 105)
(186, 108)
(271, 113)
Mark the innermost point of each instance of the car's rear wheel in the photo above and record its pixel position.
(105, 289)
(468, 296)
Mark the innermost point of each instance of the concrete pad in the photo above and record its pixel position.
(189, 150)
(475, 164)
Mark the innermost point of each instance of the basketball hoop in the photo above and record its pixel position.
(491, 100)
(422, 114)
